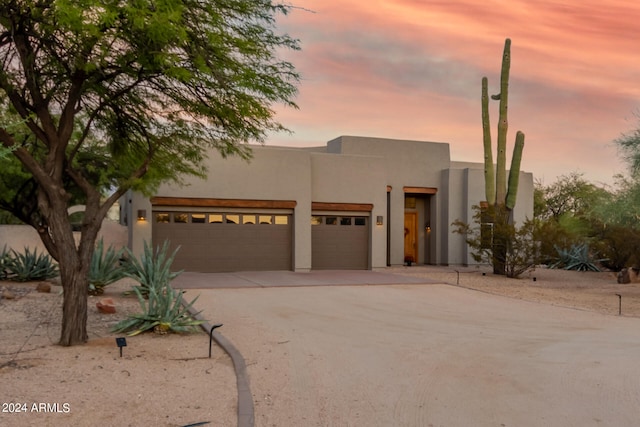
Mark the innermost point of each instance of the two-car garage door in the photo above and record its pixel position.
(226, 241)
(255, 235)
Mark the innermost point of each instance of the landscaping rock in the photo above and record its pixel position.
(106, 306)
(43, 287)
(7, 294)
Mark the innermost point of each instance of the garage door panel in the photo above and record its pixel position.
(226, 246)
(338, 243)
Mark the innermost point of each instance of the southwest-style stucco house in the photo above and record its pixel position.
(356, 203)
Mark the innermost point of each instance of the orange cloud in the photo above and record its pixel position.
(412, 69)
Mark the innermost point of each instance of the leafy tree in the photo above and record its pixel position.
(143, 89)
(568, 212)
(570, 195)
(629, 148)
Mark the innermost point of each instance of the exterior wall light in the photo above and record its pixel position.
(379, 220)
(142, 214)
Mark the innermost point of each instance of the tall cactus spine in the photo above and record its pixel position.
(501, 195)
(496, 190)
(514, 172)
(503, 125)
(489, 171)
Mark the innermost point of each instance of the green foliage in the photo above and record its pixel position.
(5, 262)
(5, 151)
(8, 218)
(153, 270)
(186, 76)
(521, 250)
(105, 268)
(577, 258)
(497, 191)
(571, 196)
(572, 212)
(618, 246)
(500, 196)
(128, 95)
(162, 306)
(622, 206)
(629, 147)
(28, 266)
(162, 312)
(551, 234)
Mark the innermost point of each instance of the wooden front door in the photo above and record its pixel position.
(410, 236)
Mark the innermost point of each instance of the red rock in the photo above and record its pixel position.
(43, 287)
(106, 306)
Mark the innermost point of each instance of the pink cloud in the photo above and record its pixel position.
(412, 69)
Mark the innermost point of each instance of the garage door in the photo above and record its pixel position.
(339, 242)
(226, 241)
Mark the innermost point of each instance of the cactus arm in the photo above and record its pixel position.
(514, 172)
(503, 125)
(489, 173)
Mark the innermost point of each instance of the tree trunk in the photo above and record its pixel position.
(74, 262)
(74, 308)
(500, 239)
(499, 256)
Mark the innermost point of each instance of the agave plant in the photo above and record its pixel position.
(162, 306)
(575, 258)
(163, 311)
(153, 270)
(105, 268)
(27, 266)
(5, 262)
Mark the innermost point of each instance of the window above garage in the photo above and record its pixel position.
(221, 218)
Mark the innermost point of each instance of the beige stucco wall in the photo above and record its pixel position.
(273, 173)
(354, 179)
(406, 163)
(466, 190)
(18, 237)
(350, 170)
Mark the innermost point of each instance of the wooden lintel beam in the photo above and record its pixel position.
(420, 190)
(324, 206)
(222, 203)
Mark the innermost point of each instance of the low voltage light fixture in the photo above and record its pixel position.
(379, 220)
(142, 214)
(121, 342)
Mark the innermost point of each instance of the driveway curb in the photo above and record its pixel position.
(245, 398)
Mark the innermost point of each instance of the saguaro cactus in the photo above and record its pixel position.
(501, 195)
(496, 190)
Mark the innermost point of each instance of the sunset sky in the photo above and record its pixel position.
(410, 69)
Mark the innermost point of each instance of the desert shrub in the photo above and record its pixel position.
(105, 268)
(7, 217)
(27, 266)
(153, 269)
(618, 246)
(522, 248)
(550, 235)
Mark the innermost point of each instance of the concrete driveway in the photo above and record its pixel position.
(427, 355)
